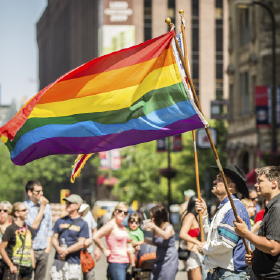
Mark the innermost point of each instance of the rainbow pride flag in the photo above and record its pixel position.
(125, 98)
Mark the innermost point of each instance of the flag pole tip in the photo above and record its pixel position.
(168, 21)
(181, 12)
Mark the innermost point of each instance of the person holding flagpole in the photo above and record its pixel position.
(224, 250)
(265, 260)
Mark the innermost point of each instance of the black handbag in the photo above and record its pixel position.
(7, 272)
(183, 254)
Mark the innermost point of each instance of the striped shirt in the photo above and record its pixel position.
(40, 242)
(229, 237)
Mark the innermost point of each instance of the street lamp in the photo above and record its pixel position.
(244, 5)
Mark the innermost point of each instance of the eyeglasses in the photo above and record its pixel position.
(121, 211)
(134, 222)
(23, 210)
(254, 198)
(38, 191)
(4, 210)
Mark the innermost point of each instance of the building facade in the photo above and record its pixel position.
(71, 32)
(250, 66)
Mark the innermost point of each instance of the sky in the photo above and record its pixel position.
(18, 48)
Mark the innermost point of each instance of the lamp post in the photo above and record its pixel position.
(245, 4)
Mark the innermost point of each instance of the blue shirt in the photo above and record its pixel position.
(226, 231)
(71, 235)
(40, 241)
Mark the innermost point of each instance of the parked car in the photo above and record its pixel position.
(100, 208)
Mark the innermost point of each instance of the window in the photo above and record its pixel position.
(244, 27)
(244, 94)
(171, 11)
(195, 40)
(231, 107)
(219, 49)
(147, 20)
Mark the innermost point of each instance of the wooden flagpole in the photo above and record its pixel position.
(168, 21)
(193, 132)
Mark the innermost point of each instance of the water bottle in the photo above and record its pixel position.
(63, 243)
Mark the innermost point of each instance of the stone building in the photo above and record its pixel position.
(69, 33)
(250, 66)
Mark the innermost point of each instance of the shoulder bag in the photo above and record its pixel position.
(87, 261)
(7, 273)
(183, 254)
(70, 226)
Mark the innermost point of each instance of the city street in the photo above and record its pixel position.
(101, 267)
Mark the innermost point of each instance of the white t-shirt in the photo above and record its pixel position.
(91, 225)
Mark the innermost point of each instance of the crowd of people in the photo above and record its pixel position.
(27, 235)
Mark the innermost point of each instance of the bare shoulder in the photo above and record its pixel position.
(189, 218)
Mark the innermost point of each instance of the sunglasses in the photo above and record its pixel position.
(134, 222)
(254, 198)
(37, 192)
(23, 210)
(121, 211)
(4, 210)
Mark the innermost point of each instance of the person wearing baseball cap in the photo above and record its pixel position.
(70, 234)
(224, 250)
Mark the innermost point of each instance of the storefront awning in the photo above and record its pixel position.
(251, 178)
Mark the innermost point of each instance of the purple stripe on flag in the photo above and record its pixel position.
(87, 145)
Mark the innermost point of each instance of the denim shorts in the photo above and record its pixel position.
(225, 274)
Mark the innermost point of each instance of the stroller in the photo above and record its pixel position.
(144, 262)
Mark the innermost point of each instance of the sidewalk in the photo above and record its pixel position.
(101, 267)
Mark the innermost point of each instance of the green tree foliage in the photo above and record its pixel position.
(138, 178)
(50, 171)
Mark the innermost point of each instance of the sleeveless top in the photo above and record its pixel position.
(117, 243)
(194, 232)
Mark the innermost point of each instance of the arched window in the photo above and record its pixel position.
(244, 162)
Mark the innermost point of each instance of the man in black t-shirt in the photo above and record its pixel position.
(69, 238)
(265, 260)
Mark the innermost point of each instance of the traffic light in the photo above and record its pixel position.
(64, 193)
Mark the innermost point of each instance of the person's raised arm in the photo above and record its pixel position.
(188, 221)
(104, 231)
(165, 234)
(201, 206)
(37, 221)
(263, 243)
(49, 228)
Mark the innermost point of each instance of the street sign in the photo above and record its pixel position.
(263, 106)
(202, 139)
(162, 145)
(218, 108)
(177, 143)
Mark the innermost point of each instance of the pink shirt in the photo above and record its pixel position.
(117, 243)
